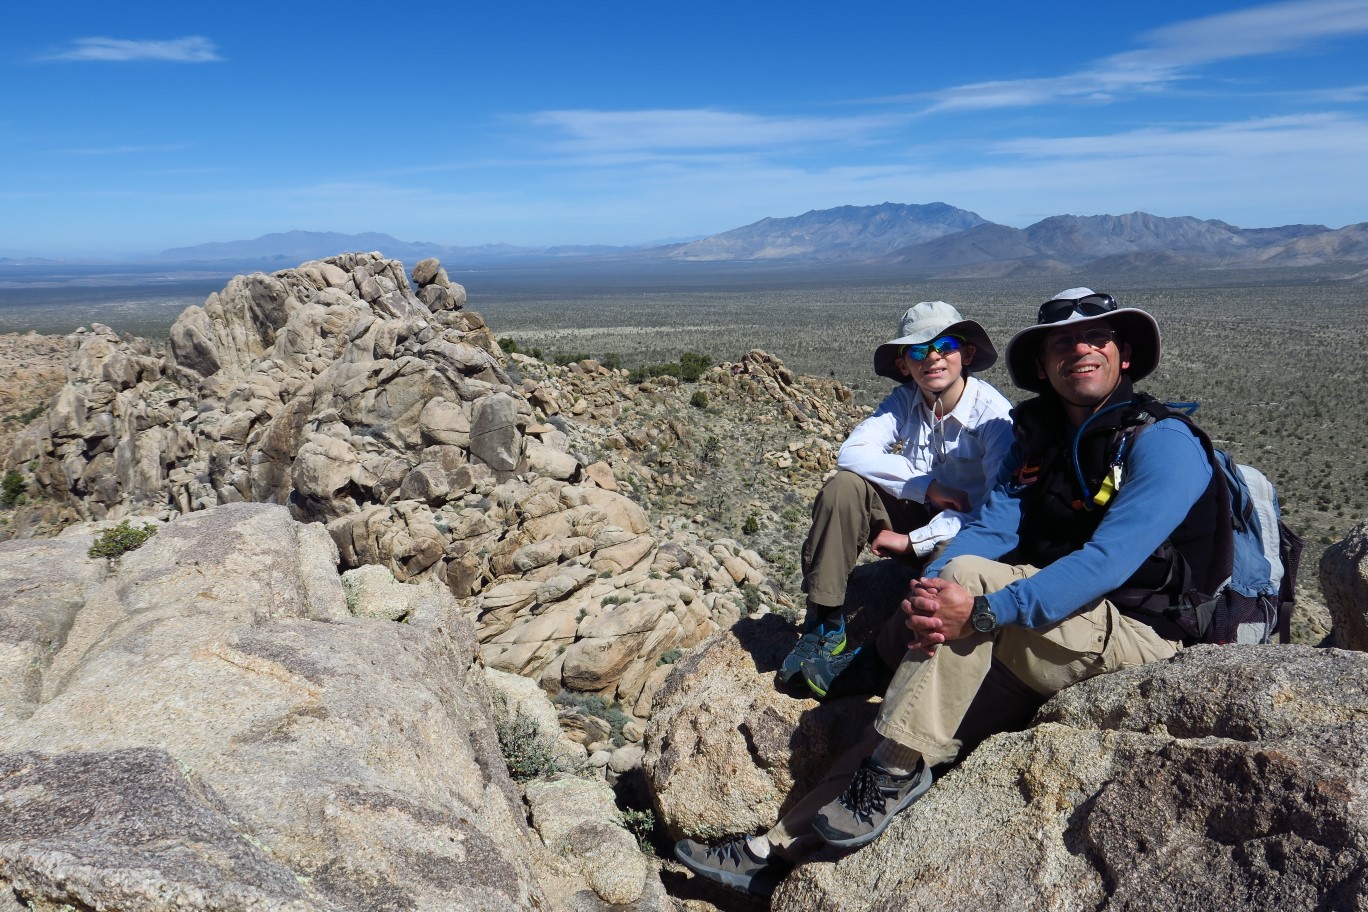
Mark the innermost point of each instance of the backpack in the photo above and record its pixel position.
(1256, 599)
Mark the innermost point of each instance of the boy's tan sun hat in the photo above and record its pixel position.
(929, 320)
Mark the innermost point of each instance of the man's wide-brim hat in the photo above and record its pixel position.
(931, 320)
(1132, 325)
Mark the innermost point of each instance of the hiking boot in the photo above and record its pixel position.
(856, 672)
(826, 639)
(732, 865)
(869, 803)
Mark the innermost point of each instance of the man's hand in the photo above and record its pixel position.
(890, 544)
(937, 611)
(946, 497)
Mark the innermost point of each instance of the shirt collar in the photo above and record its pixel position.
(963, 410)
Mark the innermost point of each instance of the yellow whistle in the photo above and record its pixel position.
(1110, 485)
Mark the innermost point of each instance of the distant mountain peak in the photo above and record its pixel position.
(851, 233)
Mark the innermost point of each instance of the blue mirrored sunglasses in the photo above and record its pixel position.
(941, 345)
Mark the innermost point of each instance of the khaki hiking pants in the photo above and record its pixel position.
(937, 703)
(848, 513)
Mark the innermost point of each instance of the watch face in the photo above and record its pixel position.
(983, 619)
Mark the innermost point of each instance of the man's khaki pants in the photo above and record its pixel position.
(930, 695)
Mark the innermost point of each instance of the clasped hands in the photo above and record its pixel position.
(937, 611)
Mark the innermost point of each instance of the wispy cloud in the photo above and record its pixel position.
(1258, 30)
(637, 133)
(194, 49)
(1313, 135)
(1172, 52)
(126, 150)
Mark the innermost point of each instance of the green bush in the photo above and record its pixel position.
(121, 539)
(612, 361)
(692, 365)
(688, 368)
(751, 525)
(670, 656)
(12, 488)
(526, 751)
(640, 824)
(26, 417)
(712, 448)
(750, 593)
(699, 399)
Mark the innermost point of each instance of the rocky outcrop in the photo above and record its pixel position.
(210, 727)
(1229, 778)
(1344, 580)
(33, 368)
(384, 410)
(726, 752)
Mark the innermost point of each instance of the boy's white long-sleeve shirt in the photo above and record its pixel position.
(899, 448)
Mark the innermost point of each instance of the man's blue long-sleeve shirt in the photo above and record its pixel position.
(1166, 472)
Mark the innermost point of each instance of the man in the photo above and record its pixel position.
(907, 476)
(1102, 545)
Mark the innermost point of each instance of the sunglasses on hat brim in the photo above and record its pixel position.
(1093, 305)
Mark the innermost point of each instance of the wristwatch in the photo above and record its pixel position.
(982, 618)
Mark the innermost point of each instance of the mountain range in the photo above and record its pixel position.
(928, 239)
(939, 239)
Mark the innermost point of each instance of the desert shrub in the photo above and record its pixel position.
(640, 824)
(121, 539)
(670, 656)
(751, 525)
(564, 358)
(525, 749)
(750, 593)
(692, 365)
(26, 417)
(688, 368)
(509, 345)
(12, 488)
(612, 361)
(712, 448)
(699, 399)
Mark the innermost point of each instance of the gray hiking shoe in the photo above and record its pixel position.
(732, 865)
(854, 672)
(827, 639)
(821, 671)
(869, 803)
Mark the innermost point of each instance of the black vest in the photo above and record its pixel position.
(1058, 516)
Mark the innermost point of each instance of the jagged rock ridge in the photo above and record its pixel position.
(385, 411)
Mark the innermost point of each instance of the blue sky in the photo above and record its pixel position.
(130, 128)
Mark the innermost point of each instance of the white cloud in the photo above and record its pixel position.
(637, 133)
(1258, 30)
(194, 49)
(1313, 135)
(126, 150)
(1172, 52)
